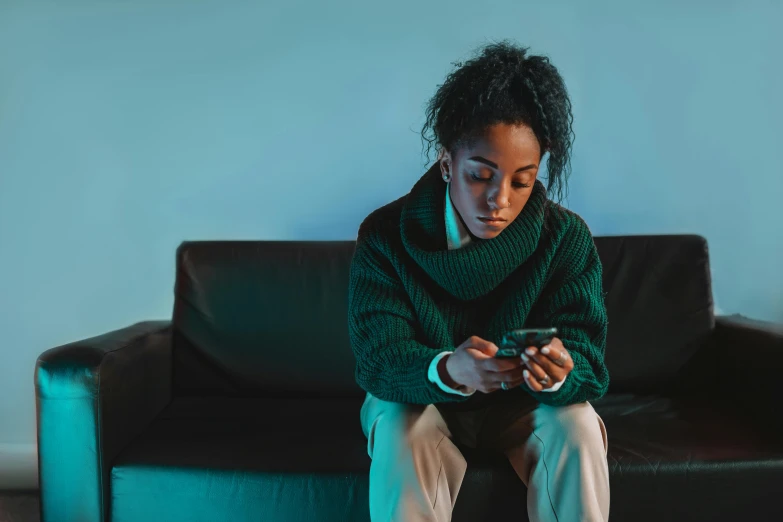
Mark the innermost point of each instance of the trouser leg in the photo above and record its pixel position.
(560, 455)
(416, 469)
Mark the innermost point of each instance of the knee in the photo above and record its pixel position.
(407, 427)
(578, 426)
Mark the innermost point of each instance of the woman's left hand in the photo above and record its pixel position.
(552, 360)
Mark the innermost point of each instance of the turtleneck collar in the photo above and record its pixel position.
(479, 265)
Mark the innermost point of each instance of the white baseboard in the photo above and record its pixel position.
(18, 466)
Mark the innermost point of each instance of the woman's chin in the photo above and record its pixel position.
(487, 233)
(492, 235)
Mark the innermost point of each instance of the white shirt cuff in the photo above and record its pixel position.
(432, 375)
(555, 386)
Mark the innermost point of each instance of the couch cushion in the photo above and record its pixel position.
(263, 317)
(245, 459)
(674, 459)
(659, 304)
(264, 459)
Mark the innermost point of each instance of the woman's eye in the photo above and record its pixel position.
(516, 185)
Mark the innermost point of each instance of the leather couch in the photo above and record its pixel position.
(244, 407)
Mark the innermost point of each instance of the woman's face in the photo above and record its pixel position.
(493, 178)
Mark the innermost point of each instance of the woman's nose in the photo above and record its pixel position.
(499, 199)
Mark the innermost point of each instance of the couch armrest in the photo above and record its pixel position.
(740, 366)
(92, 398)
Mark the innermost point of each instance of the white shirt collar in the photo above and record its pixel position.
(456, 235)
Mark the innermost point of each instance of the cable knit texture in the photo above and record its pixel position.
(411, 298)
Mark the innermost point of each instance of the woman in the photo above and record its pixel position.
(474, 250)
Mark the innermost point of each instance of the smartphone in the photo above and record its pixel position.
(515, 341)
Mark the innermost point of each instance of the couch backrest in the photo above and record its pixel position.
(270, 317)
(263, 317)
(659, 304)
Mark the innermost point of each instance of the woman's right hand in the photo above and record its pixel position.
(473, 364)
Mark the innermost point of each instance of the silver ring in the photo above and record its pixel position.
(545, 380)
(503, 385)
(562, 359)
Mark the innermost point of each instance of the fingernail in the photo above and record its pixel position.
(545, 350)
(524, 357)
(530, 351)
(526, 374)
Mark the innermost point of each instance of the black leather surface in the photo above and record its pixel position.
(238, 302)
(263, 318)
(239, 459)
(659, 304)
(742, 364)
(265, 420)
(93, 396)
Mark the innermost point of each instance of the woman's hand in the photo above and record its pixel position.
(473, 364)
(552, 360)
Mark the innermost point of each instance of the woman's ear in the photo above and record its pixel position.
(444, 161)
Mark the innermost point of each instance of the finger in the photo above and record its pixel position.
(539, 373)
(486, 347)
(531, 382)
(477, 354)
(482, 358)
(516, 383)
(548, 366)
(501, 365)
(535, 369)
(510, 376)
(555, 351)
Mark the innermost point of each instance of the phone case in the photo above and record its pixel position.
(515, 341)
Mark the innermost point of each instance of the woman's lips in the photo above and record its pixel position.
(491, 222)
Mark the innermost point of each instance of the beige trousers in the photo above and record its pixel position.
(559, 454)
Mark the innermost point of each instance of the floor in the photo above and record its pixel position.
(19, 506)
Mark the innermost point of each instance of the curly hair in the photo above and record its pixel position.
(504, 84)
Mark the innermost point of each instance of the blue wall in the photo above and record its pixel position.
(127, 127)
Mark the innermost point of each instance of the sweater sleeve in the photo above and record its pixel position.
(574, 304)
(390, 363)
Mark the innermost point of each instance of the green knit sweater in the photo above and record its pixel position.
(410, 297)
